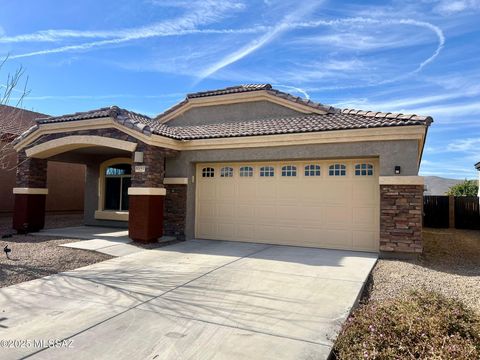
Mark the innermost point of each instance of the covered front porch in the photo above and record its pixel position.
(124, 184)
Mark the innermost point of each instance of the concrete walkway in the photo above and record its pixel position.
(197, 300)
(111, 241)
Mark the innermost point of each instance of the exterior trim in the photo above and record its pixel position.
(239, 98)
(67, 143)
(401, 180)
(176, 181)
(111, 215)
(30, 191)
(146, 191)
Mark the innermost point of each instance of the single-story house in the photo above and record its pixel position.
(65, 181)
(245, 163)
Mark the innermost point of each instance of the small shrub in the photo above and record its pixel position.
(419, 325)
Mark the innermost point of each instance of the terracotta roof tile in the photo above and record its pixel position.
(334, 119)
(14, 121)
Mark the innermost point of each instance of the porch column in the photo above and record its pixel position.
(30, 194)
(146, 194)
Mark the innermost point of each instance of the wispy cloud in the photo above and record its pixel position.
(284, 25)
(451, 7)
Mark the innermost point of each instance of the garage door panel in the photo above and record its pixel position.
(338, 215)
(225, 189)
(319, 211)
(225, 231)
(265, 190)
(265, 212)
(338, 192)
(225, 210)
(366, 193)
(206, 209)
(245, 232)
(245, 212)
(365, 240)
(364, 216)
(246, 191)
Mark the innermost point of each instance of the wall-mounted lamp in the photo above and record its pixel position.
(138, 157)
(397, 170)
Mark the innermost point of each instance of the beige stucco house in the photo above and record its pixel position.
(245, 163)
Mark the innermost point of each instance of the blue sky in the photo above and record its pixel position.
(419, 56)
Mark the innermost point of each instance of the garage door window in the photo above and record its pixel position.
(208, 172)
(267, 171)
(246, 171)
(337, 170)
(363, 170)
(289, 170)
(226, 171)
(312, 170)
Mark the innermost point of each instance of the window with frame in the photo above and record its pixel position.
(337, 170)
(289, 170)
(226, 171)
(267, 171)
(312, 170)
(208, 172)
(363, 170)
(246, 171)
(117, 182)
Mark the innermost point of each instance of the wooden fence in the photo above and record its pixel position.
(461, 212)
(467, 213)
(435, 211)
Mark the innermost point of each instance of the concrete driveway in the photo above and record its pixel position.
(193, 300)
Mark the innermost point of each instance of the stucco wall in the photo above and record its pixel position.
(232, 113)
(390, 153)
(65, 184)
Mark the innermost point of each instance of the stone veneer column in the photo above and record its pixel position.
(146, 196)
(175, 210)
(30, 194)
(401, 211)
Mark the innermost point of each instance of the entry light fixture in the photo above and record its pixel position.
(397, 170)
(138, 157)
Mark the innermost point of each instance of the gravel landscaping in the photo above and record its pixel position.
(449, 265)
(37, 256)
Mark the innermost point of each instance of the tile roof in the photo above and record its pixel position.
(334, 119)
(14, 121)
(248, 88)
(287, 125)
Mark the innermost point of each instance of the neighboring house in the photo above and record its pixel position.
(246, 163)
(477, 166)
(65, 181)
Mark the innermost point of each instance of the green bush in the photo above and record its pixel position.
(420, 325)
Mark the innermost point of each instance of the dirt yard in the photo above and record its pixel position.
(37, 256)
(450, 265)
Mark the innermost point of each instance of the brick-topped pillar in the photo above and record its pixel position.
(146, 195)
(30, 194)
(401, 210)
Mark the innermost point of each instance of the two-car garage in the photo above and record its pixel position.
(315, 203)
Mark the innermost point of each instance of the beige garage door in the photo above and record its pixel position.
(330, 204)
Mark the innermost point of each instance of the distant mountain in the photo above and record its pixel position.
(437, 185)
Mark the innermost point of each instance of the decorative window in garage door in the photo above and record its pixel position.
(226, 171)
(267, 171)
(363, 170)
(312, 170)
(208, 172)
(289, 170)
(337, 170)
(246, 171)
